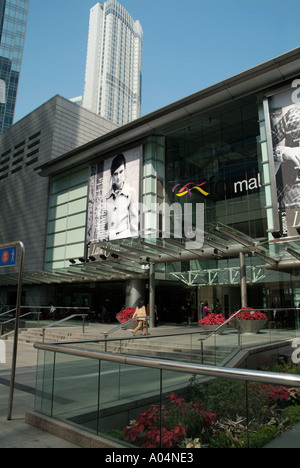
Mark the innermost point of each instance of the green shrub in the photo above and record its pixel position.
(292, 413)
(260, 438)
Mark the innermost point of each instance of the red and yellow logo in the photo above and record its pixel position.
(187, 190)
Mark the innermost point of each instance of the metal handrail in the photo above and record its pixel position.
(51, 325)
(274, 378)
(13, 319)
(7, 312)
(40, 313)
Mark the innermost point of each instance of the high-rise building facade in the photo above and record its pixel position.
(13, 22)
(113, 76)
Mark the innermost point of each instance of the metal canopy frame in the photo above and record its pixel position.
(131, 258)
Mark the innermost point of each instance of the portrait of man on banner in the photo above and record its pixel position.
(113, 197)
(285, 125)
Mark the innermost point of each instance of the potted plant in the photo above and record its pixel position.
(250, 320)
(126, 314)
(211, 322)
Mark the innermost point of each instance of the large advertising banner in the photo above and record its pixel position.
(113, 197)
(285, 125)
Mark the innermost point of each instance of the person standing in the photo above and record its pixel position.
(206, 310)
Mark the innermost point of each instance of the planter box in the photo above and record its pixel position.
(211, 328)
(250, 326)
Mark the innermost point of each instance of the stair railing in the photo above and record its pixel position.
(2, 324)
(217, 331)
(233, 316)
(124, 325)
(66, 319)
(39, 313)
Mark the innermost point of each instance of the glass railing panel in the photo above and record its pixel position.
(174, 347)
(44, 382)
(110, 403)
(220, 401)
(126, 391)
(215, 348)
(158, 404)
(75, 391)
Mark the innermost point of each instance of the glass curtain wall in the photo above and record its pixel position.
(13, 22)
(221, 151)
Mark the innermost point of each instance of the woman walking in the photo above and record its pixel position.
(140, 312)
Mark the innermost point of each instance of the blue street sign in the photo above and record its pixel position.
(8, 256)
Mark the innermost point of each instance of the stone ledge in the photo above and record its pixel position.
(69, 433)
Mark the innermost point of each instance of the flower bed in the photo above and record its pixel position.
(211, 322)
(179, 420)
(125, 314)
(212, 319)
(217, 422)
(248, 313)
(250, 320)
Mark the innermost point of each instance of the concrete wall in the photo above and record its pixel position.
(53, 129)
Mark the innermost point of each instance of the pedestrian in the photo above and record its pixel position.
(218, 307)
(140, 313)
(206, 310)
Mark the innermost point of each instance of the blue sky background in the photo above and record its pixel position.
(188, 45)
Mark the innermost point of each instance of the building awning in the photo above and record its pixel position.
(127, 259)
(79, 273)
(220, 241)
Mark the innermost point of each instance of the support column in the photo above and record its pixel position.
(152, 295)
(135, 291)
(244, 298)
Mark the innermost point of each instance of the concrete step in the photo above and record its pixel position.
(149, 348)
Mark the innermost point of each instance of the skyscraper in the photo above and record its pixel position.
(113, 75)
(13, 22)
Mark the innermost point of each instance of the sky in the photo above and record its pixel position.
(188, 45)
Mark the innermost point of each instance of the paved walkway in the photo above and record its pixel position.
(16, 433)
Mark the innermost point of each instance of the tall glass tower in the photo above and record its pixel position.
(113, 75)
(13, 22)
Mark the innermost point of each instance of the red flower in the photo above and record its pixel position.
(176, 418)
(212, 319)
(271, 393)
(248, 313)
(125, 314)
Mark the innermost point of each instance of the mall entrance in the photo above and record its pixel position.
(104, 299)
(178, 303)
(175, 301)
